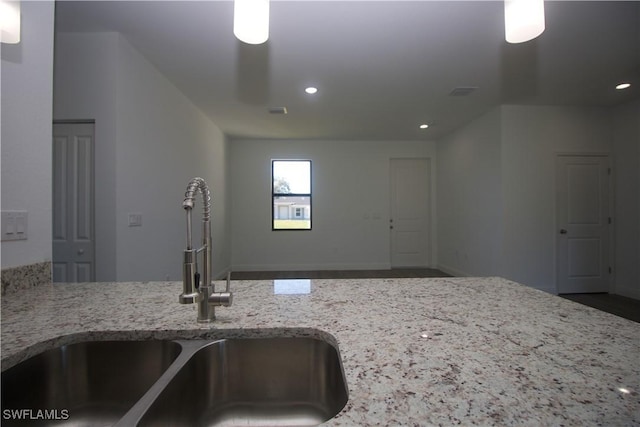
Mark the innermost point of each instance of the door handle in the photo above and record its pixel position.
(563, 231)
(80, 251)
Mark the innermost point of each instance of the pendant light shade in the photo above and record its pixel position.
(9, 21)
(523, 20)
(251, 20)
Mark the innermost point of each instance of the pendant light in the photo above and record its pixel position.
(9, 21)
(251, 20)
(523, 20)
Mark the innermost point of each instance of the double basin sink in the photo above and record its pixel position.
(241, 381)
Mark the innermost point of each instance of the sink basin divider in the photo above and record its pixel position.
(189, 348)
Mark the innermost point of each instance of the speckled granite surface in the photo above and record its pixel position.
(26, 276)
(446, 351)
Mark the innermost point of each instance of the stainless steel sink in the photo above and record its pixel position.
(191, 383)
(253, 382)
(85, 384)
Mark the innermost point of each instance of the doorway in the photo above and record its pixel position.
(73, 202)
(409, 221)
(583, 223)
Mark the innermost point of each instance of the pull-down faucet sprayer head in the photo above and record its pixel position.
(195, 185)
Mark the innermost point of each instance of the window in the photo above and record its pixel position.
(291, 194)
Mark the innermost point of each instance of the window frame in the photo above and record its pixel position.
(274, 195)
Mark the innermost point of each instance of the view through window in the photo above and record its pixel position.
(291, 194)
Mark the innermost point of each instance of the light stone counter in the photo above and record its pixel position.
(446, 351)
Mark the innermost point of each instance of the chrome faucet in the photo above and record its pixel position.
(197, 288)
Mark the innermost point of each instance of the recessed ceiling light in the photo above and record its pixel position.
(424, 126)
(623, 86)
(311, 90)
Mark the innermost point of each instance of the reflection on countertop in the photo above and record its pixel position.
(291, 286)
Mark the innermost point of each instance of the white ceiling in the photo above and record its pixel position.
(382, 67)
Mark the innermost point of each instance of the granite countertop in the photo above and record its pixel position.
(445, 351)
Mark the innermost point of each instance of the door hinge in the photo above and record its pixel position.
(609, 220)
(610, 270)
(608, 171)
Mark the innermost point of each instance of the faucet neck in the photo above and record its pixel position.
(197, 185)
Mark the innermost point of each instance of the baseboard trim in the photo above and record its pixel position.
(452, 271)
(307, 267)
(629, 293)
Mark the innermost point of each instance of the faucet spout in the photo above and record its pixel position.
(197, 185)
(193, 289)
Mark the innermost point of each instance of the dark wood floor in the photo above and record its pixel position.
(615, 304)
(395, 273)
(628, 308)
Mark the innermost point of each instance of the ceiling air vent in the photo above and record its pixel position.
(462, 90)
(278, 110)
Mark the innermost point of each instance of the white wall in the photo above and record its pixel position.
(85, 88)
(27, 89)
(470, 198)
(496, 189)
(144, 124)
(156, 142)
(350, 217)
(531, 139)
(626, 170)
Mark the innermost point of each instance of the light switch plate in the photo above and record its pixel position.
(135, 219)
(14, 225)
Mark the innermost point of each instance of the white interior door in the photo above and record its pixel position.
(409, 221)
(73, 205)
(582, 217)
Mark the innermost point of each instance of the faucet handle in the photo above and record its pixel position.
(221, 298)
(226, 298)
